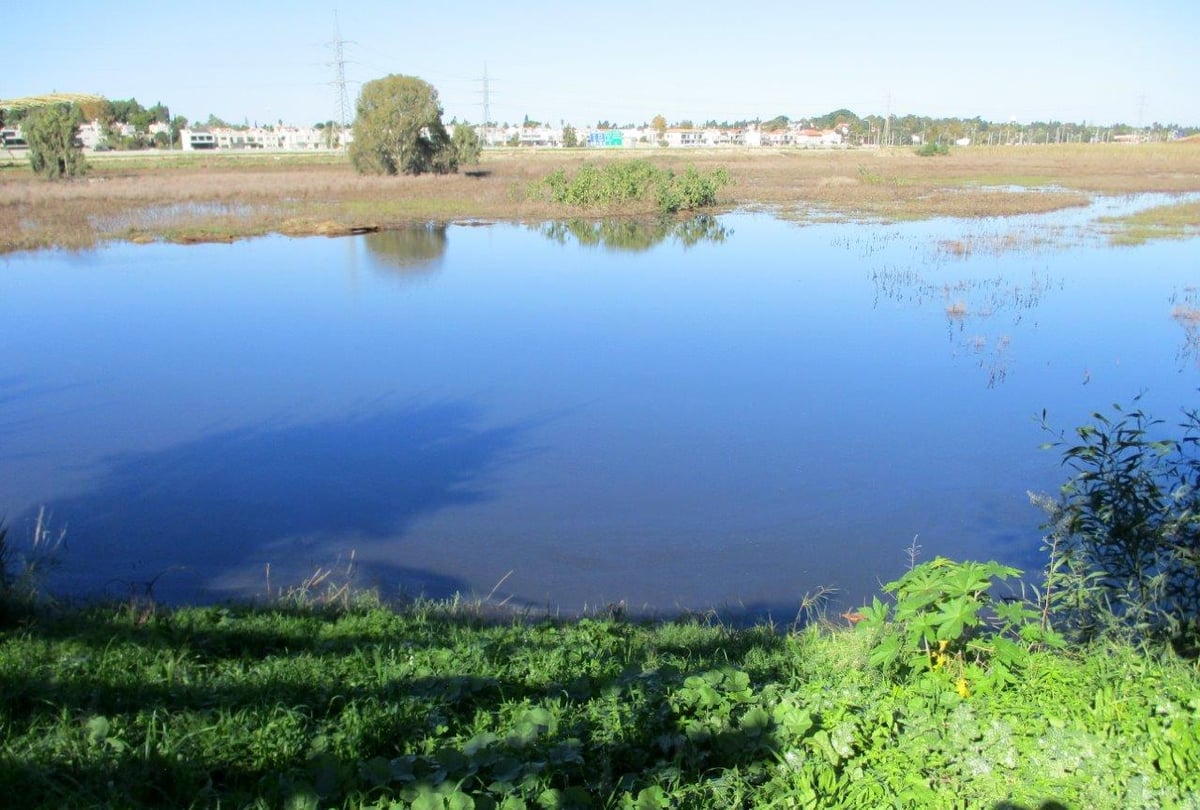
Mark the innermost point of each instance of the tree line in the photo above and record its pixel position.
(398, 129)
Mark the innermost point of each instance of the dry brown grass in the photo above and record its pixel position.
(207, 197)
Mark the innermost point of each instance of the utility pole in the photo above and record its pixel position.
(887, 122)
(339, 81)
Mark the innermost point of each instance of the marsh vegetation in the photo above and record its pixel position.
(300, 194)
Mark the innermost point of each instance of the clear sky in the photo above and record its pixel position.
(1102, 61)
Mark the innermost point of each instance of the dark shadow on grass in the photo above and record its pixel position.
(268, 732)
(193, 522)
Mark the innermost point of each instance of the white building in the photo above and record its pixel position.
(272, 139)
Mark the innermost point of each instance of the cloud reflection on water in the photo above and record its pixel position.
(202, 519)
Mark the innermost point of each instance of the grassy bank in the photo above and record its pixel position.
(431, 707)
(212, 197)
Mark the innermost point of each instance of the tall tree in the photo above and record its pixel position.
(52, 133)
(398, 129)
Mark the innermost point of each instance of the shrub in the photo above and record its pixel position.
(635, 181)
(466, 144)
(933, 149)
(54, 150)
(1124, 534)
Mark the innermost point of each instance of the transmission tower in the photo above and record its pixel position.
(339, 81)
(487, 107)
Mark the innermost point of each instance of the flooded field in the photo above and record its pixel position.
(728, 412)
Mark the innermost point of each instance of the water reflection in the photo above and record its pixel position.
(409, 251)
(980, 311)
(718, 428)
(1186, 312)
(205, 518)
(635, 234)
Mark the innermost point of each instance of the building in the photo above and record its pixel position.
(272, 139)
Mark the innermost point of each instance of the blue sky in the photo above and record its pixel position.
(578, 62)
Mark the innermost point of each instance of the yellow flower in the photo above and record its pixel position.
(963, 690)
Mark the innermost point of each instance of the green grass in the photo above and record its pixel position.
(179, 159)
(432, 707)
(1178, 221)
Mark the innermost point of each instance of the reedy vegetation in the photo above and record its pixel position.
(181, 197)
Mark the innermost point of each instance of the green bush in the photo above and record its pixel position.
(933, 150)
(627, 183)
(948, 624)
(1124, 534)
(53, 133)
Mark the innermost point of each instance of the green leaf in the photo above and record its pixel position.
(427, 799)
(1007, 653)
(377, 771)
(651, 798)
(97, 728)
(755, 721)
(954, 617)
(885, 651)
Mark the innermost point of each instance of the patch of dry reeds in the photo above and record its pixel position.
(224, 197)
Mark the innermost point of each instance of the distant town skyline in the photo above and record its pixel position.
(1102, 62)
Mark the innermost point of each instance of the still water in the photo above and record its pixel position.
(727, 413)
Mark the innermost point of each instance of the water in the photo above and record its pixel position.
(728, 415)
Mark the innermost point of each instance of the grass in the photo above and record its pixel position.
(1178, 221)
(124, 197)
(365, 706)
